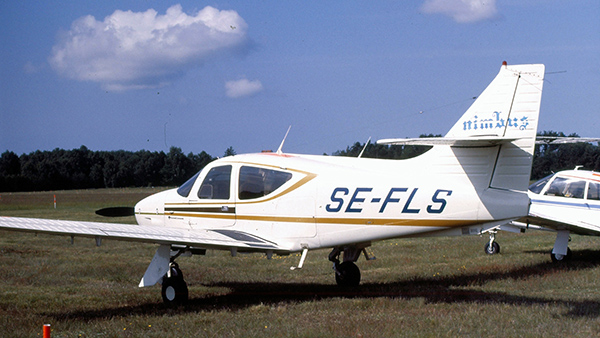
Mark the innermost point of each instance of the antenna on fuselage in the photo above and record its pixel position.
(279, 151)
(365, 147)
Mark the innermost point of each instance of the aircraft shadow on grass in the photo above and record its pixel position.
(449, 289)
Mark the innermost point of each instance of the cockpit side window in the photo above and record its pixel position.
(539, 185)
(566, 187)
(184, 189)
(216, 184)
(258, 182)
(594, 191)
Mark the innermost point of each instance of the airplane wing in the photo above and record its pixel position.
(480, 141)
(205, 238)
(549, 221)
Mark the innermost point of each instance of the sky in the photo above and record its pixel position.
(206, 76)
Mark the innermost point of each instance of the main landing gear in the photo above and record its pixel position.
(561, 252)
(174, 288)
(492, 247)
(347, 273)
(558, 258)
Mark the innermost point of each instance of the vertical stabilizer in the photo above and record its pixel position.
(509, 107)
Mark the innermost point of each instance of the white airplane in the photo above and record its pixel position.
(473, 179)
(566, 202)
(581, 215)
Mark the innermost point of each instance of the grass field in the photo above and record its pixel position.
(415, 288)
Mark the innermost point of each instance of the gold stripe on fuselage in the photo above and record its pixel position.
(331, 220)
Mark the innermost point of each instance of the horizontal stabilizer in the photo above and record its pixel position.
(481, 141)
(564, 140)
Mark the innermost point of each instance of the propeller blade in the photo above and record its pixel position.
(116, 212)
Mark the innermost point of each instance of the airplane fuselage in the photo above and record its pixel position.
(332, 201)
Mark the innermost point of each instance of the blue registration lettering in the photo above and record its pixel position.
(389, 198)
(406, 209)
(441, 201)
(338, 200)
(356, 199)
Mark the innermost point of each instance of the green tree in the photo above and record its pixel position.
(229, 152)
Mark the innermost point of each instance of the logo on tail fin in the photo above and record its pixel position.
(495, 122)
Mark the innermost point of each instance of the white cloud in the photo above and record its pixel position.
(243, 87)
(131, 50)
(462, 11)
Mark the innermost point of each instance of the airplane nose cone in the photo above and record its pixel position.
(151, 210)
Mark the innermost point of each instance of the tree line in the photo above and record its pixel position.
(83, 169)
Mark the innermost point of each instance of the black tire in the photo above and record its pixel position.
(174, 289)
(347, 274)
(492, 249)
(560, 258)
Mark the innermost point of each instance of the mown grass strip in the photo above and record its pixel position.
(420, 287)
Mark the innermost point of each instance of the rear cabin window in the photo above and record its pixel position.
(566, 187)
(258, 182)
(216, 184)
(594, 191)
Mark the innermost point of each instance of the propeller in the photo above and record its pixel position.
(116, 212)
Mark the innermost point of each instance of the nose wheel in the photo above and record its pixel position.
(174, 288)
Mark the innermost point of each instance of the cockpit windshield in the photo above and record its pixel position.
(184, 189)
(539, 185)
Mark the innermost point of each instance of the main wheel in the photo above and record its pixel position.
(174, 289)
(492, 249)
(557, 258)
(347, 274)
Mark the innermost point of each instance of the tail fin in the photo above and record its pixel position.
(504, 119)
(508, 108)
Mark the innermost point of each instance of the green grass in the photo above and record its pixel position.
(421, 287)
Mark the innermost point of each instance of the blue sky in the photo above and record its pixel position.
(200, 75)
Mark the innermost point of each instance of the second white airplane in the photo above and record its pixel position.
(473, 179)
(566, 202)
